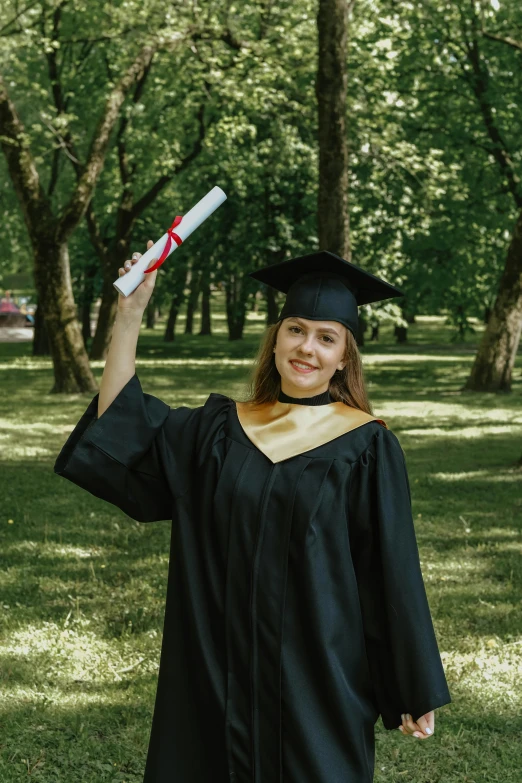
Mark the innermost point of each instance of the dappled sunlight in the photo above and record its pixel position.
(473, 475)
(26, 363)
(21, 452)
(492, 672)
(394, 358)
(456, 433)
(501, 532)
(34, 428)
(435, 412)
(54, 550)
(225, 362)
(44, 662)
(452, 570)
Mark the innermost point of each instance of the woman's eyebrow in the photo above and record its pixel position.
(323, 329)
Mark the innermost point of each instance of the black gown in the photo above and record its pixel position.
(296, 611)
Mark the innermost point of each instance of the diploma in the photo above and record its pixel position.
(169, 242)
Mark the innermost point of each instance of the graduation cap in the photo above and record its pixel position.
(324, 287)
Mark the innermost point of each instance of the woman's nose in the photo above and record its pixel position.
(307, 345)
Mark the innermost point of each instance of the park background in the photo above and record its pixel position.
(386, 132)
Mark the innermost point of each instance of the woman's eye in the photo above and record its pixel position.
(290, 328)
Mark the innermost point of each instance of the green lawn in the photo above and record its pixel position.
(82, 586)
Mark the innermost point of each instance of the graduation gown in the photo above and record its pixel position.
(296, 611)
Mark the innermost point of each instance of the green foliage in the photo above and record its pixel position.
(431, 208)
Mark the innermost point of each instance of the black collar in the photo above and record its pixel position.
(319, 399)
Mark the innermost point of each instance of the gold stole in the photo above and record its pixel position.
(282, 430)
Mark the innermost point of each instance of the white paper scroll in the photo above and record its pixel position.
(128, 282)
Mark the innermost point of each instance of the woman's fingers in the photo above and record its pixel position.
(426, 723)
(420, 729)
(135, 257)
(412, 727)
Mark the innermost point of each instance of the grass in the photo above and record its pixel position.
(83, 586)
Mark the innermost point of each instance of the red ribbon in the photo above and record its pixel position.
(168, 244)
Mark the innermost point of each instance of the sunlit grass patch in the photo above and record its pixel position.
(469, 432)
(490, 673)
(55, 656)
(474, 475)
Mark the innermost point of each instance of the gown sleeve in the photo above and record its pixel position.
(403, 656)
(137, 455)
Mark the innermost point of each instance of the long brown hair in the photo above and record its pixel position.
(346, 385)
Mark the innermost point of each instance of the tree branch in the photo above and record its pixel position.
(499, 150)
(95, 233)
(508, 41)
(75, 209)
(65, 142)
(124, 122)
(18, 15)
(97, 39)
(20, 163)
(151, 194)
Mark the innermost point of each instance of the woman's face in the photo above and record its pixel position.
(319, 345)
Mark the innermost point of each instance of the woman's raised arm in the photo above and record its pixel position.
(120, 365)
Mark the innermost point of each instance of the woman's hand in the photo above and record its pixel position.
(139, 299)
(422, 729)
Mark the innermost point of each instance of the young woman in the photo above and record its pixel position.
(296, 611)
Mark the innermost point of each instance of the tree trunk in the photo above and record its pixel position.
(401, 333)
(107, 313)
(151, 314)
(361, 329)
(206, 320)
(72, 372)
(236, 296)
(192, 301)
(170, 329)
(41, 338)
(272, 308)
(49, 234)
(235, 331)
(332, 215)
(179, 281)
(86, 302)
(493, 365)
(86, 321)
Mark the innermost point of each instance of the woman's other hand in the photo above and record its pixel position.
(422, 728)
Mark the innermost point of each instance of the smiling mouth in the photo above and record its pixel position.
(302, 366)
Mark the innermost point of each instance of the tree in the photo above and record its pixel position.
(455, 90)
(332, 212)
(50, 233)
(493, 365)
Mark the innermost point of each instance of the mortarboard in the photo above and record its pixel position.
(324, 287)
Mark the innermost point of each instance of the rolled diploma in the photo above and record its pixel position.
(128, 282)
